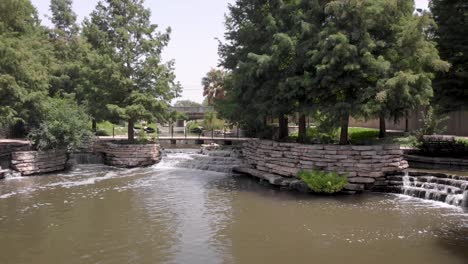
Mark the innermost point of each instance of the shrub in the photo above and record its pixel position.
(64, 125)
(102, 133)
(323, 182)
(142, 137)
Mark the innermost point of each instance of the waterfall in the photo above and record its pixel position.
(452, 190)
(86, 158)
(218, 161)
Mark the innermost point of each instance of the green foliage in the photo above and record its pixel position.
(323, 182)
(451, 35)
(102, 133)
(17, 16)
(343, 58)
(25, 60)
(211, 121)
(65, 125)
(432, 123)
(213, 85)
(195, 127)
(140, 86)
(142, 137)
(187, 103)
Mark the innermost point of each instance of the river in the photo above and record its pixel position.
(166, 214)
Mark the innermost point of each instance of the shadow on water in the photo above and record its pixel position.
(455, 241)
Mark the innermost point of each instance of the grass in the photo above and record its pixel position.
(120, 130)
(359, 136)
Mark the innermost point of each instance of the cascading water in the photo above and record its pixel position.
(218, 161)
(452, 190)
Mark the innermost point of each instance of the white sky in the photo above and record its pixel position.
(195, 27)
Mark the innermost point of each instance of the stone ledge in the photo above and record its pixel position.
(450, 162)
(291, 183)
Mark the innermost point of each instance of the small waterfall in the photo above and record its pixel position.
(86, 158)
(218, 161)
(452, 190)
(11, 174)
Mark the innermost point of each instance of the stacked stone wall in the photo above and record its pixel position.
(129, 155)
(38, 162)
(365, 166)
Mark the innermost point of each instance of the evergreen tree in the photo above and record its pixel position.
(25, 60)
(402, 40)
(141, 85)
(451, 35)
(347, 67)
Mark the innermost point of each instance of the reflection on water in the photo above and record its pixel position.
(97, 214)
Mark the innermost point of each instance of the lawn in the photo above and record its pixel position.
(359, 136)
(105, 129)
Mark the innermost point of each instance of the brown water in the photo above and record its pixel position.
(96, 214)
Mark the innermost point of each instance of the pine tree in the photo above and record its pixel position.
(141, 85)
(25, 60)
(347, 67)
(403, 42)
(451, 35)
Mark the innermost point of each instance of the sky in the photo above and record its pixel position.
(195, 27)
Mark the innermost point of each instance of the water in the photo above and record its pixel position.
(166, 214)
(448, 190)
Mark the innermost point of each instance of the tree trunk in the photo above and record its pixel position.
(382, 126)
(283, 127)
(131, 133)
(302, 129)
(94, 125)
(344, 130)
(407, 122)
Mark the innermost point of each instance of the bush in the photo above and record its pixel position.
(443, 146)
(323, 182)
(102, 133)
(65, 125)
(194, 127)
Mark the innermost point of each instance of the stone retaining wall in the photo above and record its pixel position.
(9, 146)
(365, 166)
(129, 155)
(38, 162)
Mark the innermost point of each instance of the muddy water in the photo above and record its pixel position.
(163, 214)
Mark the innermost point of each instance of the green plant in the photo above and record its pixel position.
(142, 137)
(323, 182)
(432, 123)
(102, 133)
(65, 125)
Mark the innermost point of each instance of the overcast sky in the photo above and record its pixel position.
(195, 27)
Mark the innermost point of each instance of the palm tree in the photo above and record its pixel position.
(213, 85)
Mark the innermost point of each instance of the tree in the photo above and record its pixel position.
(246, 102)
(402, 40)
(345, 61)
(64, 125)
(25, 59)
(213, 85)
(186, 103)
(451, 35)
(63, 17)
(141, 85)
